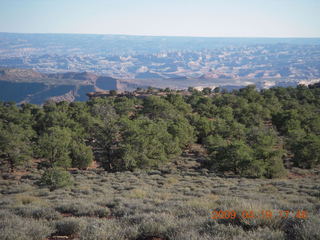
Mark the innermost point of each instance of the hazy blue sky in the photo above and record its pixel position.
(224, 18)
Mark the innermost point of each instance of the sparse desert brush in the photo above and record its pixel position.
(31, 176)
(102, 212)
(283, 183)
(37, 212)
(192, 234)
(83, 209)
(264, 234)
(69, 226)
(205, 203)
(43, 193)
(14, 188)
(5, 202)
(220, 231)
(98, 189)
(190, 208)
(28, 200)
(297, 229)
(157, 225)
(132, 205)
(82, 189)
(162, 196)
(103, 230)
(268, 188)
(25, 199)
(211, 197)
(137, 193)
(13, 227)
(171, 180)
(300, 171)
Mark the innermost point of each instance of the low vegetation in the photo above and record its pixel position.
(166, 163)
(169, 202)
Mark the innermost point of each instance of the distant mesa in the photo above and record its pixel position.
(8, 73)
(27, 85)
(106, 83)
(148, 75)
(84, 76)
(176, 77)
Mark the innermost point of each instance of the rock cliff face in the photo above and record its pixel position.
(106, 83)
(26, 85)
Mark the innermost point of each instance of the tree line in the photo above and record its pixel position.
(247, 132)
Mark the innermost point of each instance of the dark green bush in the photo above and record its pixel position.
(56, 178)
(81, 155)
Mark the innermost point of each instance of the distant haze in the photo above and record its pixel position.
(215, 18)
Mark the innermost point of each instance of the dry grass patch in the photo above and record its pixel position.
(207, 202)
(137, 193)
(25, 199)
(268, 188)
(171, 180)
(164, 196)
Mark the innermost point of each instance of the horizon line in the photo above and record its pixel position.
(169, 36)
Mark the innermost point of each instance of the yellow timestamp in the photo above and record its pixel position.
(264, 214)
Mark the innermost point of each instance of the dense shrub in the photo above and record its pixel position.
(56, 178)
(307, 154)
(245, 131)
(54, 145)
(15, 149)
(81, 155)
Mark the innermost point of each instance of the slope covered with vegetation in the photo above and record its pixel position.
(249, 133)
(167, 163)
